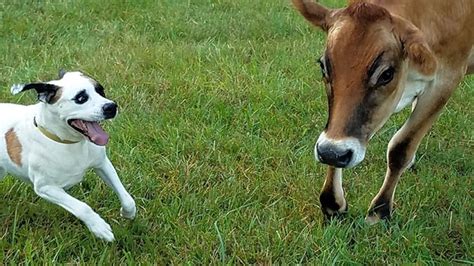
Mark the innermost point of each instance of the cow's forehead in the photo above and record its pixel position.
(354, 46)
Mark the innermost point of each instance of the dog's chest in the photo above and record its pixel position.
(66, 166)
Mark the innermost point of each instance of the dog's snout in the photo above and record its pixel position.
(332, 155)
(109, 110)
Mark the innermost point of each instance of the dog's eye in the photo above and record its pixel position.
(81, 97)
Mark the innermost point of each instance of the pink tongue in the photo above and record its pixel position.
(96, 134)
(93, 131)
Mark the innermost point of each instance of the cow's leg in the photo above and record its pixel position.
(402, 147)
(470, 64)
(332, 195)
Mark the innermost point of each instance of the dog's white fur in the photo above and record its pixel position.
(51, 167)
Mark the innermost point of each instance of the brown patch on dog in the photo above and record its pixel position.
(57, 96)
(13, 146)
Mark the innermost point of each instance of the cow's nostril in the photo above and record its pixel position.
(345, 158)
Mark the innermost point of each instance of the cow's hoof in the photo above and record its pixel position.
(380, 210)
(372, 219)
(331, 207)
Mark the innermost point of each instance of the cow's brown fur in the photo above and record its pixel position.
(430, 38)
(366, 13)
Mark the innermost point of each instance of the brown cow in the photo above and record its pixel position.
(381, 56)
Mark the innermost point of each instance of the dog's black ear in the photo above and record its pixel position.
(46, 92)
(99, 89)
(61, 73)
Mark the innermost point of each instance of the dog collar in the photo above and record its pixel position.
(52, 136)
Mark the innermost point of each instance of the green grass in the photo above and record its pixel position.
(221, 103)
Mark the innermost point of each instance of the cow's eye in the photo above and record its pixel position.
(81, 97)
(323, 68)
(386, 77)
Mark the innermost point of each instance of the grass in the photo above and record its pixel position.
(221, 103)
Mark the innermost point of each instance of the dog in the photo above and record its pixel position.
(51, 144)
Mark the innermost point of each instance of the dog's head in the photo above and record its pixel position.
(76, 100)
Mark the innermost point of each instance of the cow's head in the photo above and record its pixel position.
(364, 66)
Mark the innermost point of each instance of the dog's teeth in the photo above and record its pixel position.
(17, 88)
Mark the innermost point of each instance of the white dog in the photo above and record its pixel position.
(51, 144)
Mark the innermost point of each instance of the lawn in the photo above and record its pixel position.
(220, 105)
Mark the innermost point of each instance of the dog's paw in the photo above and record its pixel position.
(128, 210)
(101, 229)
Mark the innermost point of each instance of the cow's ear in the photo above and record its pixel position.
(45, 91)
(415, 47)
(315, 13)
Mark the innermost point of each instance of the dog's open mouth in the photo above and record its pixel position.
(92, 130)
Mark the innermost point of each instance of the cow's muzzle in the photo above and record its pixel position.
(341, 153)
(332, 155)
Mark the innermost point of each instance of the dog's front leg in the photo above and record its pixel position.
(84, 212)
(107, 172)
(332, 195)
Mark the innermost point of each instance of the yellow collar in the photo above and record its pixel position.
(52, 136)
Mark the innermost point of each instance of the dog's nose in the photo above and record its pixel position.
(109, 110)
(328, 153)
